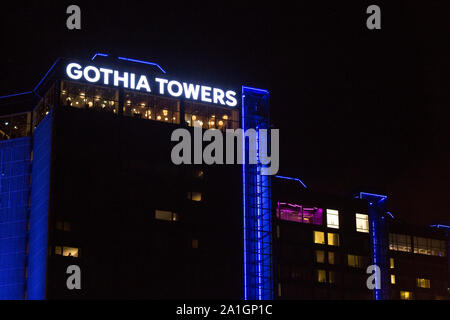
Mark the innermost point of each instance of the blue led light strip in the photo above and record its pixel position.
(294, 179)
(40, 82)
(143, 62)
(17, 94)
(99, 54)
(257, 216)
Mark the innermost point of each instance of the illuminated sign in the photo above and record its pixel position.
(162, 86)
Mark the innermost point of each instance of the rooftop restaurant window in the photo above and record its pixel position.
(210, 117)
(298, 213)
(145, 106)
(15, 126)
(400, 242)
(332, 219)
(44, 106)
(78, 95)
(362, 223)
(430, 247)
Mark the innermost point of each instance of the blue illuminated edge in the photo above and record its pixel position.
(93, 58)
(293, 179)
(244, 196)
(130, 60)
(264, 92)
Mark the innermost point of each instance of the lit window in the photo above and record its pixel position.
(319, 237)
(58, 250)
(405, 295)
(431, 247)
(194, 244)
(320, 256)
(392, 278)
(331, 258)
(331, 277)
(166, 215)
(297, 213)
(400, 242)
(70, 252)
(194, 196)
(332, 219)
(279, 289)
(198, 173)
(362, 223)
(423, 283)
(333, 239)
(321, 276)
(355, 261)
(391, 263)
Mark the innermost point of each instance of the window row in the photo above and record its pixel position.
(313, 215)
(426, 246)
(332, 238)
(145, 106)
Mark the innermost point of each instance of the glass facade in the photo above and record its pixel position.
(142, 106)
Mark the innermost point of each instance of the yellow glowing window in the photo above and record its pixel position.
(331, 258)
(320, 256)
(331, 277)
(423, 283)
(194, 244)
(362, 223)
(58, 250)
(70, 252)
(392, 278)
(319, 237)
(321, 276)
(279, 289)
(333, 239)
(166, 215)
(405, 295)
(355, 261)
(391, 263)
(332, 219)
(195, 196)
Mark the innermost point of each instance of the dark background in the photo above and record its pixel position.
(358, 110)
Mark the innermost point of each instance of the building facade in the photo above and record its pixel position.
(87, 179)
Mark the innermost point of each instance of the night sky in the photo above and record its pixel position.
(358, 110)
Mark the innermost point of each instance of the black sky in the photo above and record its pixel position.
(357, 109)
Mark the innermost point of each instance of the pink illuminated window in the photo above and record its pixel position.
(301, 214)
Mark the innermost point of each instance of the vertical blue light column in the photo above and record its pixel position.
(14, 192)
(257, 217)
(40, 188)
(378, 239)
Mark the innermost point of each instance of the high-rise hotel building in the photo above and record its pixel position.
(87, 179)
